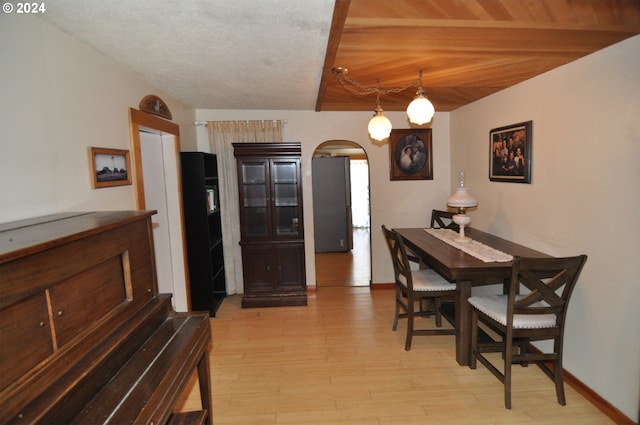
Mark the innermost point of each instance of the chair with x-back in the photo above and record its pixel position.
(415, 286)
(534, 309)
(439, 220)
(443, 220)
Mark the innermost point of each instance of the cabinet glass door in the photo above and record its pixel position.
(254, 197)
(285, 197)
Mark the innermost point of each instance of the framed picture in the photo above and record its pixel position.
(510, 156)
(410, 154)
(109, 167)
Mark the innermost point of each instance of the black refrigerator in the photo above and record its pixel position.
(332, 204)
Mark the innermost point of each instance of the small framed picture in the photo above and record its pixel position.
(109, 167)
(510, 156)
(410, 154)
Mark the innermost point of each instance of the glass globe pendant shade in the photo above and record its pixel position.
(379, 126)
(420, 110)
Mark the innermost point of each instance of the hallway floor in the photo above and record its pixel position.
(351, 268)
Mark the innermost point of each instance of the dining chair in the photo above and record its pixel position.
(443, 220)
(413, 286)
(439, 220)
(537, 314)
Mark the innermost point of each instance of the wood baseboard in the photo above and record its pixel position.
(383, 286)
(603, 405)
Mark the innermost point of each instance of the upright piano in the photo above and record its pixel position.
(85, 337)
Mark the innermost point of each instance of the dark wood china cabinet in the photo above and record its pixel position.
(271, 224)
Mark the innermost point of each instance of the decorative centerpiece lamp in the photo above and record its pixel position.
(462, 199)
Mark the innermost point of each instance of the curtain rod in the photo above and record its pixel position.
(204, 123)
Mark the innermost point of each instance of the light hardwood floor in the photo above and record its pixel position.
(352, 268)
(337, 361)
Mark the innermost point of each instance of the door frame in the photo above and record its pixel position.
(343, 147)
(140, 120)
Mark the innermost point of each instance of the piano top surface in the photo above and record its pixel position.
(29, 236)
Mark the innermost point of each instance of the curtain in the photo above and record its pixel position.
(221, 136)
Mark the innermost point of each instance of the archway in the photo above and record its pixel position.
(341, 208)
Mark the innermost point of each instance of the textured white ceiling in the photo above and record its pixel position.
(211, 54)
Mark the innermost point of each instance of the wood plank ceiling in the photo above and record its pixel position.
(467, 49)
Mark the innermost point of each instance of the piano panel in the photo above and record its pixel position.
(26, 338)
(78, 302)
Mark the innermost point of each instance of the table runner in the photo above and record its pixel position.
(474, 248)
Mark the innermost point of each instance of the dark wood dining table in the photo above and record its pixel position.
(466, 270)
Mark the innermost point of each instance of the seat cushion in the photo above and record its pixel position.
(430, 280)
(495, 306)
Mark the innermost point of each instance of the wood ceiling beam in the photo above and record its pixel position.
(439, 24)
(340, 11)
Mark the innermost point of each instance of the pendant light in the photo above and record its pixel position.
(379, 126)
(420, 110)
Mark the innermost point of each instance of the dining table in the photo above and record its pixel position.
(465, 270)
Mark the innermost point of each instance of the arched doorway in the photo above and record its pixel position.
(340, 170)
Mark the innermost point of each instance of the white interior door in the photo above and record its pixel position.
(161, 193)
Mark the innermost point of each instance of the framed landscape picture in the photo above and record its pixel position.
(109, 167)
(510, 153)
(410, 154)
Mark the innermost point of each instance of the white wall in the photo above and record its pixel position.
(584, 198)
(394, 203)
(58, 98)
